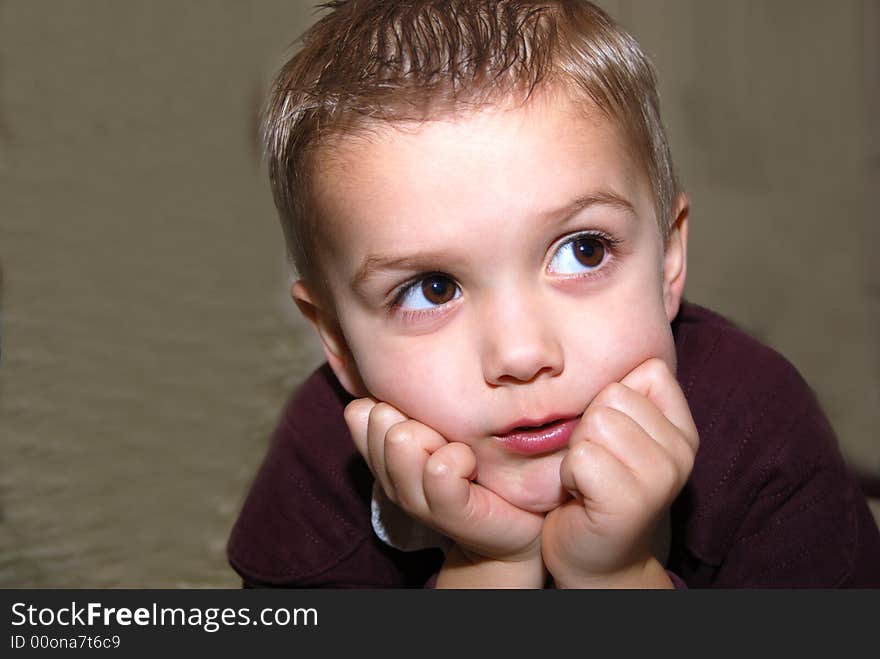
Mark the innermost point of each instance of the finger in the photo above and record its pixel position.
(447, 479)
(408, 445)
(655, 381)
(461, 508)
(627, 441)
(647, 416)
(381, 418)
(356, 415)
(593, 474)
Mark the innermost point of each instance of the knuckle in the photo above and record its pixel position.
(687, 461)
(383, 413)
(606, 395)
(447, 455)
(694, 444)
(412, 428)
(399, 433)
(656, 367)
(615, 392)
(379, 410)
(437, 466)
(450, 459)
(577, 456)
(668, 480)
(670, 473)
(599, 419)
(353, 411)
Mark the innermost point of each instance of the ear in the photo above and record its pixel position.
(675, 258)
(327, 328)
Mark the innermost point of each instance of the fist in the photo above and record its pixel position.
(628, 458)
(433, 481)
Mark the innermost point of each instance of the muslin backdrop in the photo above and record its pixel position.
(148, 342)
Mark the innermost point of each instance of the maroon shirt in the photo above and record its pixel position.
(770, 502)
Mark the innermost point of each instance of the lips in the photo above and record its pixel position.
(537, 437)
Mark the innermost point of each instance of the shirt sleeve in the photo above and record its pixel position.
(770, 502)
(808, 524)
(305, 522)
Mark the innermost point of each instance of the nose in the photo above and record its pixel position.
(519, 342)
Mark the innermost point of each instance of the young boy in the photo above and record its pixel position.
(479, 199)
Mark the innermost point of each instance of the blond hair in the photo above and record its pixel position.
(374, 61)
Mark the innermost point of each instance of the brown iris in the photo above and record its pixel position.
(438, 290)
(589, 251)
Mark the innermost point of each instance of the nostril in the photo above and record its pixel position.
(506, 365)
(525, 379)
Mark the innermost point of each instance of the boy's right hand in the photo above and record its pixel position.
(433, 481)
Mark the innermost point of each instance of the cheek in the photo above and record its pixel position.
(645, 326)
(426, 378)
(617, 335)
(653, 338)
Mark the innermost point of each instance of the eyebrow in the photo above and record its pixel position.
(374, 263)
(602, 198)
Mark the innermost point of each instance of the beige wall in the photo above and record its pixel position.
(147, 343)
(764, 105)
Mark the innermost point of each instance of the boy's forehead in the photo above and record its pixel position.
(534, 159)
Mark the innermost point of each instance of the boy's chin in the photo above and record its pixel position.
(532, 485)
(540, 505)
(544, 507)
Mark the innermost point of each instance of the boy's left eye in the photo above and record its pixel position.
(580, 254)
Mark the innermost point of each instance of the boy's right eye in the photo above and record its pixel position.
(427, 293)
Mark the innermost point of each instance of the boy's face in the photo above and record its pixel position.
(491, 270)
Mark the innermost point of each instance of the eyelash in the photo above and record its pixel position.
(610, 243)
(403, 291)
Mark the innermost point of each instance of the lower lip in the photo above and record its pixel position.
(540, 440)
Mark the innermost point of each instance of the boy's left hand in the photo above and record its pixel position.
(629, 456)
